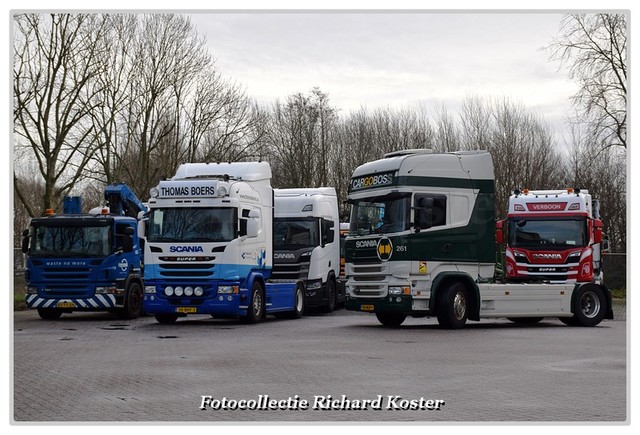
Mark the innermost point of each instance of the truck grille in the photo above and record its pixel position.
(367, 279)
(290, 271)
(69, 274)
(184, 270)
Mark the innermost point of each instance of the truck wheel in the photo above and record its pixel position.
(166, 318)
(391, 319)
(133, 302)
(525, 320)
(49, 313)
(589, 305)
(255, 311)
(299, 304)
(331, 297)
(452, 307)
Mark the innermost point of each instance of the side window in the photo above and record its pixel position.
(430, 210)
(124, 241)
(243, 222)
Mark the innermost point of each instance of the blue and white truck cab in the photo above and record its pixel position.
(209, 245)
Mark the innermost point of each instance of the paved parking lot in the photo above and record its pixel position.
(96, 368)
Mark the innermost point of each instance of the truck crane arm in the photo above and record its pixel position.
(122, 201)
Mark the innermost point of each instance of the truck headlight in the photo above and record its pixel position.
(397, 290)
(32, 290)
(168, 291)
(105, 290)
(178, 291)
(227, 289)
(314, 285)
(150, 289)
(188, 291)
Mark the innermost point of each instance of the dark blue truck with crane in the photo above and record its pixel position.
(86, 261)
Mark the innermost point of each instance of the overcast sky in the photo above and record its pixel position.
(369, 59)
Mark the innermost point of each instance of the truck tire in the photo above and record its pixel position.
(49, 313)
(255, 311)
(166, 319)
(331, 297)
(525, 320)
(391, 319)
(299, 304)
(589, 305)
(453, 307)
(133, 302)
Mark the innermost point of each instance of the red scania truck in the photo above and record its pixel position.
(552, 236)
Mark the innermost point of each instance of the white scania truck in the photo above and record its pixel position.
(422, 242)
(209, 245)
(307, 243)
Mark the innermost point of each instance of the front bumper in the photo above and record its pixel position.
(395, 304)
(220, 305)
(96, 303)
(316, 297)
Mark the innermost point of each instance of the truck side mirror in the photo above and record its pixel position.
(142, 228)
(25, 241)
(253, 223)
(500, 232)
(597, 231)
(328, 230)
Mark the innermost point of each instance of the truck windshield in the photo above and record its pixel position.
(552, 233)
(192, 224)
(295, 233)
(71, 241)
(380, 215)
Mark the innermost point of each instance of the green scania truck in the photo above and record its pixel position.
(422, 242)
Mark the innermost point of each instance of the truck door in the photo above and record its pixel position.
(434, 241)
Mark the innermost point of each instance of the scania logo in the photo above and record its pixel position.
(285, 255)
(366, 243)
(385, 249)
(186, 249)
(547, 256)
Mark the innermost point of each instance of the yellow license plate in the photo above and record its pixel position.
(186, 310)
(65, 304)
(366, 307)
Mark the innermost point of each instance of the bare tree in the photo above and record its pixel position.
(446, 133)
(475, 124)
(111, 115)
(56, 59)
(167, 53)
(222, 122)
(603, 173)
(594, 47)
(33, 191)
(298, 133)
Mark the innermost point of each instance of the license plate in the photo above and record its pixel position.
(66, 304)
(366, 307)
(186, 310)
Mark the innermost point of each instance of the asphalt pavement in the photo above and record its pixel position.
(338, 367)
